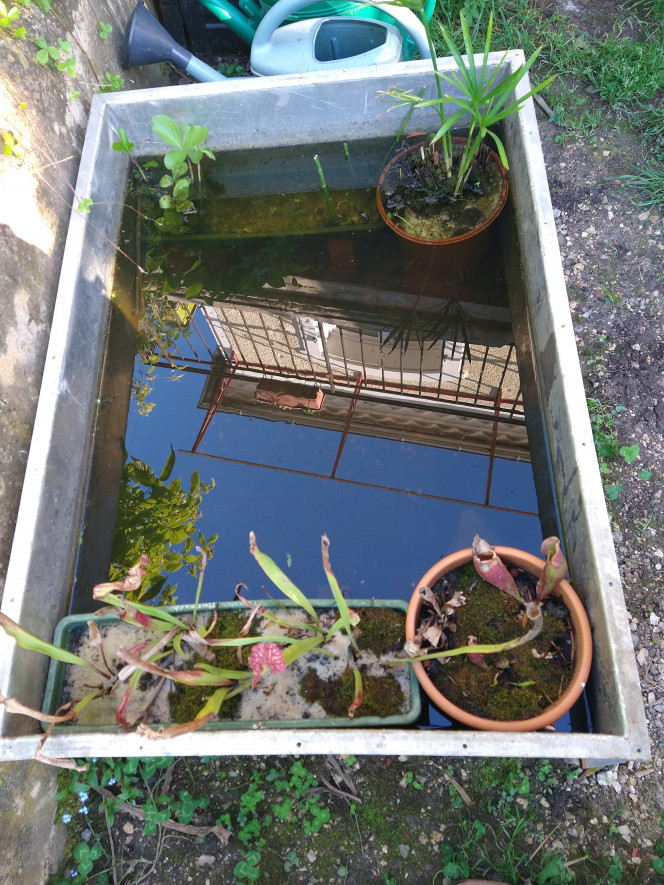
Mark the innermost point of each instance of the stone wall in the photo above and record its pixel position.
(38, 109)
(41, 113)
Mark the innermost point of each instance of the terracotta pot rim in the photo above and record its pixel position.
(449, 241)
(581, 631)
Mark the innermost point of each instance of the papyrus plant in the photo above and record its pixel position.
(483, 98)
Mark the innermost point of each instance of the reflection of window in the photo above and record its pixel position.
(363, 352)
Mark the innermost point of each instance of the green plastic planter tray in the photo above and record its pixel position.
(65, 628)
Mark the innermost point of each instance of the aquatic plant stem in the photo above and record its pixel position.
(200, 580)
(446, 138)
(326, 193)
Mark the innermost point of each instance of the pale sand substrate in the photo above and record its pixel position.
(275, 698)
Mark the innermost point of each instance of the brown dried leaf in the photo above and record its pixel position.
(433, 635)
(457, 600)
(429, 599)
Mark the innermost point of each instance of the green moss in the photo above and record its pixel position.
(381, 695)
(279, 214)
(381, 629)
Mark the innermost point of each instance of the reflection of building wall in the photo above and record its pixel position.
(281, 343)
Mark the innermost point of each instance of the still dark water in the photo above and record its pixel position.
(396, 501)
(397, 504)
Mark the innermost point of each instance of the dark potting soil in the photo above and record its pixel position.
(419, 196)
(514, 685)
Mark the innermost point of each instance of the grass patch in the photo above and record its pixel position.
(625, 73)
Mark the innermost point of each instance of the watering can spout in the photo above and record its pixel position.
(147, 43)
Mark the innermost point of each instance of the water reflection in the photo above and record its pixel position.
(312, 426)
(334, 379)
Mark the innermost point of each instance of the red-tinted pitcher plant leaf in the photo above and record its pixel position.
(491, 568)
(554, 571)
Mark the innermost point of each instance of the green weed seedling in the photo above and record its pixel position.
(629, 453)
(292, 861)
(658, 862)
(517, 783)
(607, 445)
(614, 872)
(9, 17)
(458, 862)
(104, 30)
(111, 83)
(555, 872)
(455, 798)
(605, 435)
(11, 147)
(85, 855)
(233, 69)
(123, 144)
(546, 775)
(116, 784)
(247, 869)
(248, 819)
(58, 56)
(410, 780)
(613, 490)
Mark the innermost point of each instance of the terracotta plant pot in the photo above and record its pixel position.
(582, 637)
(476, 239)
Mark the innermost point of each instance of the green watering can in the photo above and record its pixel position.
(245, 20)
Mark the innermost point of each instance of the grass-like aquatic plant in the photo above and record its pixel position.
(484, 97)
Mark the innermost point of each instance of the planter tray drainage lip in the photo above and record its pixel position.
(65, 628)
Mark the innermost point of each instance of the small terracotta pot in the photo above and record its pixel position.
(480, 882)
(582, 637)
(476, 239)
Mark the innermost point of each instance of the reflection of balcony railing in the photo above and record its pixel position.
(292, 346)
(358, 351)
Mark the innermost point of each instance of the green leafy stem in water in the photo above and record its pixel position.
(157, 518)
(187, 150)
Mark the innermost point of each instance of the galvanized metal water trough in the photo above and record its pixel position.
(334, 106)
